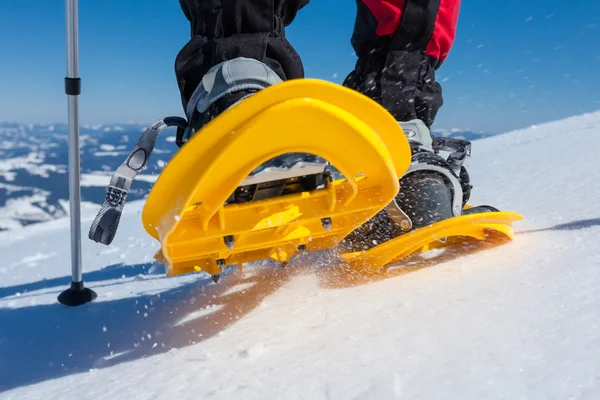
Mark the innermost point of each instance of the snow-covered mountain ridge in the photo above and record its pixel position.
(33, 166)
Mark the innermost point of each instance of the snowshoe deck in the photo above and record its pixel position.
(187, 209)
(435, 235)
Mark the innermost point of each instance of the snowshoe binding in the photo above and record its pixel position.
(430, 206)
(431, 190)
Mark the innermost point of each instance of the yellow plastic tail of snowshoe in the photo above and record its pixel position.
(423, 239)
(186, 208)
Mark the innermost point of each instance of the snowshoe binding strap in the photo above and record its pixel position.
(223, 86)
(426, 158)
(418, 134)
(229, 77)
(460, 150)
(104, 227)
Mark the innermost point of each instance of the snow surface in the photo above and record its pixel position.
(518, 321)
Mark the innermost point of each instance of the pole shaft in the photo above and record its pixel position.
(74, 161)
(72, 11)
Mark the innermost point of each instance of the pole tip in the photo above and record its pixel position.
(76, 295)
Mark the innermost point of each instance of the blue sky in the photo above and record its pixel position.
(514, 62)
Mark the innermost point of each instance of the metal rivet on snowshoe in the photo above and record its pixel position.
(326, 222)
(229, 241)
(405, 225)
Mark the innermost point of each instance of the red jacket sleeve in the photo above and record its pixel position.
(440, 16)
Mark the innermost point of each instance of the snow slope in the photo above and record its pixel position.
(518, 321)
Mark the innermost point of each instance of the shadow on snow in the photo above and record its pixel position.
(569, 226)
(118, 271)
(49, 341)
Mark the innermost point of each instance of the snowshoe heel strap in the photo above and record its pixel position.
(460, 150)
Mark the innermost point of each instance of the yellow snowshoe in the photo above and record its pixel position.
(223, 200)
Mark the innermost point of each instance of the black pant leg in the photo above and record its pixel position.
(396, 70)
(225, 29)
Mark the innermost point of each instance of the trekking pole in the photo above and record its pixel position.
(77, 294)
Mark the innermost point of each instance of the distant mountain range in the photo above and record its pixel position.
(461, 134)
(34, 175)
